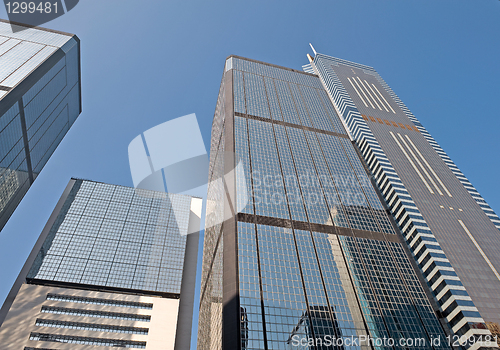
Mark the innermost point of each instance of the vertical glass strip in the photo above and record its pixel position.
(210, 317)
(366, 295)
(334, 118)
(322, 315)
(273, 99)
(255, 95)
(299, 105)
(239, 92)
(308, 179)
(286, 101)
(284, 300)
(319, 118)
(339, 288)
(243, 180)
(290, 178)
(252, 330)
(268, 187)
(328, 185)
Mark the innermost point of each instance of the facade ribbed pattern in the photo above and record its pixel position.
(456, 306)
(460, 176)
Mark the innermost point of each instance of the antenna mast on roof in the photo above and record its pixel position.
(312, 47)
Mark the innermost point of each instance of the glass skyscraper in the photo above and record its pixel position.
(114, 266)
(301, 249)
(40, 98)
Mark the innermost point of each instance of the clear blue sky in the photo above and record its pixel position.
(147, 62)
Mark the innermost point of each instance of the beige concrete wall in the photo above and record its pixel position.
(20, 321)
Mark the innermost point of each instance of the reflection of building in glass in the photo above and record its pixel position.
(244, 328)
(113, 267)
(40, 98)
(9, 183)
(314, 256)
(448, 227)
(323, 327)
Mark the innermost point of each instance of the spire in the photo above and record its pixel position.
(312, 47)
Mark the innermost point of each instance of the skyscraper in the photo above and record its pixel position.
(451, 230)
(40, 98)
(299, 247)
(113, 267)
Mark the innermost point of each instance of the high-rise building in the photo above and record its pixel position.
(114, 267)
(300, 248)
(40, 98)
(450, 229)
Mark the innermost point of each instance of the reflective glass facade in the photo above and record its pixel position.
(40, 98)
(117, 237)
(309, 259)
(449, 228)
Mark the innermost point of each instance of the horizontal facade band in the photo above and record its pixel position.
(101, 288)
(300, 225)
(279, 122)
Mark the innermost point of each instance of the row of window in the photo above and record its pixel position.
(98, 301)
(71, 339)
(90, 326)
(94, 313)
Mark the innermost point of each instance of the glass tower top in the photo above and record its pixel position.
(116, 237)
(40, 99)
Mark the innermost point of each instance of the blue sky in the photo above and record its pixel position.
(144, 63)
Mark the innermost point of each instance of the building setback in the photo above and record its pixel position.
(40, 99)
(452, 232)
(299, 246)
(113, 267)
